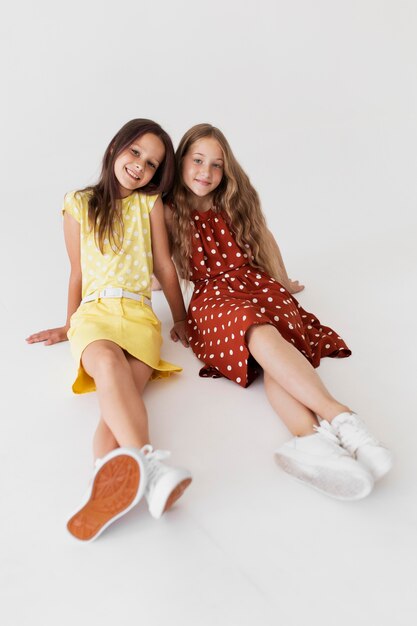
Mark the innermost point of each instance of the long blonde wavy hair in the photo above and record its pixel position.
(235, 196)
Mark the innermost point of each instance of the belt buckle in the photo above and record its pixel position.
(112, 292)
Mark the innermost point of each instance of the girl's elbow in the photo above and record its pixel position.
(75, 275)
(76, 271)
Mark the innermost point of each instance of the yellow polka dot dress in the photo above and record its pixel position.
(130, 324)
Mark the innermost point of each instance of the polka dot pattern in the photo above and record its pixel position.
(230, 296)
(130, 268)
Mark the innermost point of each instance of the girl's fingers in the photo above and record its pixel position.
(175, 337)
(48, 336)
(34, 338)
(295, 286)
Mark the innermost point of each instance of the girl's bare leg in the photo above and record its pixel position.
(298, 395)
(104, 440)
(141, 373)
(293, 373)
(297, 418)
(123, 412)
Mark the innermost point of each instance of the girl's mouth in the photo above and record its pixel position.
(131, 174)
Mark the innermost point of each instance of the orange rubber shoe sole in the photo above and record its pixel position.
(176, 493)
(114, 489)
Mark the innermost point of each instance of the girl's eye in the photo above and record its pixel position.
(198, 161)
(218, 166)
(135, 152)
(153, 166)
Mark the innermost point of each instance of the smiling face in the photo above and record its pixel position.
(202, 167)
(135, 165)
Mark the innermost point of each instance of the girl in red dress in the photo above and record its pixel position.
(243, 317)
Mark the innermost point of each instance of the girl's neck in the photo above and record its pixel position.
(125, 193)
(201, 204)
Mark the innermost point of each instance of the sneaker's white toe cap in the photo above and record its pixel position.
(377, 459)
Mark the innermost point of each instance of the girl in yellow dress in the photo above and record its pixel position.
(116, 238)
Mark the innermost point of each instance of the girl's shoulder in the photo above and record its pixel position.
(145, 200)
(76, 203)
(78, 196)
(85, 194)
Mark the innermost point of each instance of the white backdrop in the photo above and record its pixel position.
(318, 100)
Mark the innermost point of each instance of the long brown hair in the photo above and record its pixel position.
(104, 205)
(235, 196)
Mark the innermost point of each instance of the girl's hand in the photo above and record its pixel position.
(179, 331)
(294, 286)
(50, 336)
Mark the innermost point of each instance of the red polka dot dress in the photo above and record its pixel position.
(230, 296)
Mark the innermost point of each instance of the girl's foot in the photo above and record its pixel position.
(118, 484)
(165, 484)
(320, 461)
(361, 445)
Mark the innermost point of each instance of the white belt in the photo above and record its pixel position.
(116, 292)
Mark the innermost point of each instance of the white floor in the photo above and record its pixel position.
(318, 100)
(246, 544)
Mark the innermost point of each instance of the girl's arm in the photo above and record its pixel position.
(165, 272)
(155, 286)
(72, 242)
(168, 223)
(293, 286)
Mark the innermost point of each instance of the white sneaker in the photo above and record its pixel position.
(165, 484)
(118, 484)
(320, 461)
(358, 441)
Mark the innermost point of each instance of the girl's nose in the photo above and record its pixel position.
(139, 165)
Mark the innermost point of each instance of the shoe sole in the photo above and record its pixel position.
(165, 503)
(176, 494)
(113, 494)
(334, 483)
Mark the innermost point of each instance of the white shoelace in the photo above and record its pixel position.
(153, 466)
(327, 432)
(353, 434)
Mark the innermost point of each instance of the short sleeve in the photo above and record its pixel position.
(72, 205)
(151, 202)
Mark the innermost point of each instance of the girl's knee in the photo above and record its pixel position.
(262, 331)
(104, 360)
